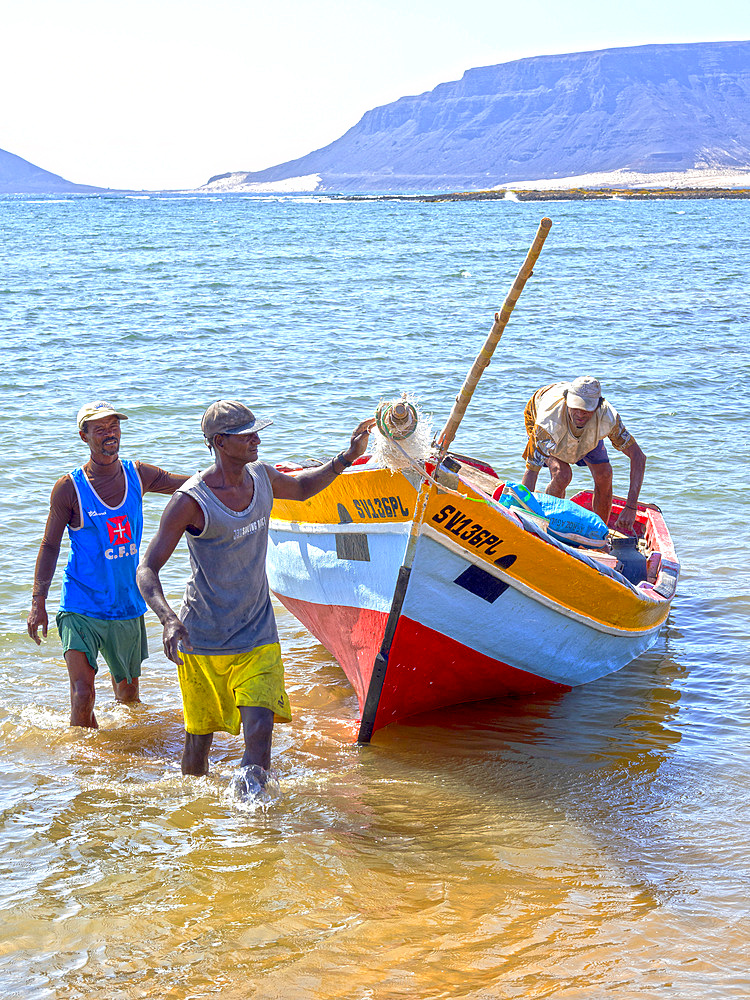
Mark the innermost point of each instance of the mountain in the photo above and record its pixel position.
(18, 176)
(650, 108)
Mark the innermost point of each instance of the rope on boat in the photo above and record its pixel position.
(422, 470)
(397, 420)
(401, 420)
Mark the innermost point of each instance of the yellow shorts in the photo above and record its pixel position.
(213, 688)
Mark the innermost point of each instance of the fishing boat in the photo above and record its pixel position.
(430, 589)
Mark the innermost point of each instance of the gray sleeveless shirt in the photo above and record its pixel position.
(227, 605)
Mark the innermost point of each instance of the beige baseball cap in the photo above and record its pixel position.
(227, 416)
(583, 393)
(96, 411)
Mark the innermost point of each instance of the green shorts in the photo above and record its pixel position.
(122, 643)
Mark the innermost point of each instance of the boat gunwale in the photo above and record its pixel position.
(331, 528)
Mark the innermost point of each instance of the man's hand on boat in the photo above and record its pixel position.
(626, 520)
(359, 440)
(305, 484)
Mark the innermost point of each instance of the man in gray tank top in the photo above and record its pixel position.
(225, 642)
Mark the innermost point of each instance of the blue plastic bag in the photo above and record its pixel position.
(572, 524)
(564, 520)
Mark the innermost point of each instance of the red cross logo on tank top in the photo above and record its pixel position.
(119, 530)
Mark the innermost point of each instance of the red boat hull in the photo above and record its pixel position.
(425, 669)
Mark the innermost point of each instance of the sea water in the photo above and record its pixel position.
(585, 845)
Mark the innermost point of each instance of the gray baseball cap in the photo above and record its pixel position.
(583, 393)
(227, 416)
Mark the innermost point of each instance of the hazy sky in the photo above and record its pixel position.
(165, 93)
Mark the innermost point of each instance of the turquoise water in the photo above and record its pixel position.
(578, 846)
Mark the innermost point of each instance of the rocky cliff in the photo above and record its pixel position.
(650, 108)
(18, 176)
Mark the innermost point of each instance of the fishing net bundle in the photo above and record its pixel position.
(402, 435)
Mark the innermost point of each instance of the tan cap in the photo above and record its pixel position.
(97, 411)
(227, 416)
(583, 393)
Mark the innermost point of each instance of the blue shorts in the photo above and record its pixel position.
(597, 456)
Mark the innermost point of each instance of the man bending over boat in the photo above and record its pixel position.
(567, 423)
(225, 642)
(101, 611)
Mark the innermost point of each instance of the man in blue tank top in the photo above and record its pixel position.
(101, 609)
(225, 642)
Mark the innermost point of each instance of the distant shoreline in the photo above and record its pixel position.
(622, 184)
(589, 194)
(560, 194)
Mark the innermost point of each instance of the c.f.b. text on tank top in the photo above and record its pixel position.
(99, 580)
(227, 605)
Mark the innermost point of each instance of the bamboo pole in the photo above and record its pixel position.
(485, 355)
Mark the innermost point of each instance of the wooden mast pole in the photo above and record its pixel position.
(485, 355)
(380, 666)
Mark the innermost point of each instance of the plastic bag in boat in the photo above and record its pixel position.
(572, 524)
(562, 519)
(514, 495)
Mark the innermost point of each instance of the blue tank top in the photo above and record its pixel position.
(99, 579)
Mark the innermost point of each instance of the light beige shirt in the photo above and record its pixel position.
(553, 437)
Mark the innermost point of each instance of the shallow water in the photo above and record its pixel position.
(585, 845)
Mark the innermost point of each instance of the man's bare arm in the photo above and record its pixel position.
(181, 513)
(46, 561)
(157, 480)
(637, 471)
(530, 477)
(308, 482)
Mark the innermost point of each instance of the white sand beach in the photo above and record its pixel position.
(236, 182)
(696, 178)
